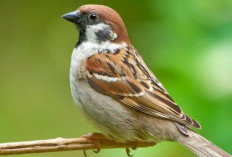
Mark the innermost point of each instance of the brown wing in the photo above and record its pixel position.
(124, 76)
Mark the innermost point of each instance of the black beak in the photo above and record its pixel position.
(73, 17)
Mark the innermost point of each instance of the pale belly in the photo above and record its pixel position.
(108, 115)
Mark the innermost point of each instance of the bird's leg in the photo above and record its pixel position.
(96, 137)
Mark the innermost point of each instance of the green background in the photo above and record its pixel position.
(187, 44)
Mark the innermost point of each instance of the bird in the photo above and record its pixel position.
(116, 90)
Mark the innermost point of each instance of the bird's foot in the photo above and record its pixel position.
(128, 152)
(135, 143)
(95, 137)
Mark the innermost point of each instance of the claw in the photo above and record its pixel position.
(135, 146)
(97, 151)
(128, 152)
(95, 137)
(97, 143)
(84, 152)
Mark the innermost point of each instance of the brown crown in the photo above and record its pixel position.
(110, 17)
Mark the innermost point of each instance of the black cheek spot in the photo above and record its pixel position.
(103, 35)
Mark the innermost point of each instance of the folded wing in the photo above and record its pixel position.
(124, 76)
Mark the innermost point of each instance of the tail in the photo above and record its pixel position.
(201, 146)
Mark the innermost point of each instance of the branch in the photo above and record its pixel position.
(62, 144)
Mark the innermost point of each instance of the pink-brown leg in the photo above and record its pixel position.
(95, 136)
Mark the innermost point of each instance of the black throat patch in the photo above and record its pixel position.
(82, 35)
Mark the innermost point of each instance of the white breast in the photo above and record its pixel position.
(77, 69)
(83, 51)
(78, 65)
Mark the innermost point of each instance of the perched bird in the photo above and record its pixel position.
(116, 90)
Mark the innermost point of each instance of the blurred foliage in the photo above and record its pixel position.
(187, 44)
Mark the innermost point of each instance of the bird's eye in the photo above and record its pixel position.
(93, 17)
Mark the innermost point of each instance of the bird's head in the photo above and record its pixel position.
(98, 23)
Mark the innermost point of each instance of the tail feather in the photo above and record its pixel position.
(201, 146)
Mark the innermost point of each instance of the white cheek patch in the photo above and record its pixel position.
(91, 31)
(114, 36)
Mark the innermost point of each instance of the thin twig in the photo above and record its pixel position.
(62, 144)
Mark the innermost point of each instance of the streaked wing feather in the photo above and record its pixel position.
(126, 77)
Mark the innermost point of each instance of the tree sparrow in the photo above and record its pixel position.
(115, 89)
